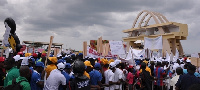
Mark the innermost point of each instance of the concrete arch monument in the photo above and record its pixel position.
(172, 32)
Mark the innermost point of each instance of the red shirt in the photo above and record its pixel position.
(130, 78)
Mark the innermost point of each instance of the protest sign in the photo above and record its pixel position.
(116, 47)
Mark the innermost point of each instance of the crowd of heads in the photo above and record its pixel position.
(78, 67)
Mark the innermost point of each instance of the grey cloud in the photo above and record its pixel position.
(73, 22)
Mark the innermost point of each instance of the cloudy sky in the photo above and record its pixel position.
(73, 21)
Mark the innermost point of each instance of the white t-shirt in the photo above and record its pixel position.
(71, 74)
(137, 67)
(182, 66)
(176, 65)
(118, 75)
(109, 76)
(165, 67)
(174, 81)
(54, 80)
(124, 74)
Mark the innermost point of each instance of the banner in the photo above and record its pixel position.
(167, 57)
(176, 54)
(153, 43)
(129, 57)
(30, 50)
(138, 54)
(116, 47)
(196, 55)
(93, 44)
(40, 50)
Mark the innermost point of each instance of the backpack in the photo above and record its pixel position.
(15, 85)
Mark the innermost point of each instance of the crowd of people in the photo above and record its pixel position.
(26, 71)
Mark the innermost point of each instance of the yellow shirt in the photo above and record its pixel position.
(49, 69)
(147, 69)
(86, 74)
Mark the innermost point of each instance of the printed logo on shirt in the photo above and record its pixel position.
(83, 84)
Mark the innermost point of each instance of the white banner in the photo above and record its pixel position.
(195, 55)
(176, 54)
(30, 50)
(116, 47)
(167, 57)
(137, 53)
(129, 57)
(153, 43)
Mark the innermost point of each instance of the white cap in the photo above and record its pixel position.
(112, 65)
(117, 61)
(188, 60)
(25, 61)
(59, 55)
(17, 58)
(61, 66)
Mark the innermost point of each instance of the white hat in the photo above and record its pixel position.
(24, 61)
(17, 58)
(59, 55)
(188, 60)
(112, 65)
(117, 61)
(61, 66)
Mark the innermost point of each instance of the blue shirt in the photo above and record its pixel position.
(159, 73)
(95, 76)
(67, 79)
(186, 80)
(66, 76)
(36, 77)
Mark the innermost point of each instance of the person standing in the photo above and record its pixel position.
(23, 78)
(109, 77)
(2, 72)
(179, 71)
(118, 75)
(96, 76)
(13, 72)
(36, 82)
(80, 82)
(187, 80)
(56, 78)
(52, 61)
(145, 78)
(130, 78)
(159, 74)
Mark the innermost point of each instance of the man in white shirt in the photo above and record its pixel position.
(56, 78)
(179, 71)
(109, 77)
(175, 66)
(118, 74)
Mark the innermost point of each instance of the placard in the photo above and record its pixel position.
(40, 50)
(30, 50)
(116, 47)
(195, 55)
(194, 61)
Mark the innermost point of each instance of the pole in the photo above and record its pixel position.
(48, 53)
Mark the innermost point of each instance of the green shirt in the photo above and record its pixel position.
(12, 74)
(25, 84)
